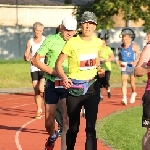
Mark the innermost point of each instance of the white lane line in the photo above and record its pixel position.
(18, 132)
(16, 106)
(22, 105)
(23, 126)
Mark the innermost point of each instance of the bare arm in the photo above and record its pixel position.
(67, 83)
(27, 51)
(42, 66)
(100, 71)
(137, 51)
(141, 67)
(58, 66)
(98, 59)
(119, 56)
(111, 58)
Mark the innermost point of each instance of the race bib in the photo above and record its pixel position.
(58, 83)
(87, 61)
(123, 66)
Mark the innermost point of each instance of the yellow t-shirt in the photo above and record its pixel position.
(105, 54)
(82, 57)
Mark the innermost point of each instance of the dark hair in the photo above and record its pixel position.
(104, 39)
(58, 29)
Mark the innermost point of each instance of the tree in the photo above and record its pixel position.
(130, 9)
(68, 1)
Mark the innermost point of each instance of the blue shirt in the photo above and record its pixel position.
(127, 55)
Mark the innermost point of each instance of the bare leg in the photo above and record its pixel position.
(50, 111)
(146, 140)
(133, 87)
(41, 85)
(124, 89)
(38, 98)
(83, 111)
(124, 84)
(132, 82)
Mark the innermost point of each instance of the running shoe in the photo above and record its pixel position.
(133, 96)
(124, 101)
(38, 114)
(109, 94)
(59, 133)
(50, 143)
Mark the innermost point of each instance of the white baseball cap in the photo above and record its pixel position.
(70, 23)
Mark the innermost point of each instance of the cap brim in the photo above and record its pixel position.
(88, 21)
(71, 28)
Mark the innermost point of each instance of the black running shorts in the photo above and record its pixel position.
(37, 75)
(146, 109)
(104, 81)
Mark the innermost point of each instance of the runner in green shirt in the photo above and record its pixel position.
(54, 91)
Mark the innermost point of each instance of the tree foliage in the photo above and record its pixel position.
(130, 9)
(67, 1)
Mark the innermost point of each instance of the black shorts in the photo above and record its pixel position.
(146, 109)
(52, 94)
(37, 75)
(104, 81)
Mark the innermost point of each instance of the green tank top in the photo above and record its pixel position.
(52, 47)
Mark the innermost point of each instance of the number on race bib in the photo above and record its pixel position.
(87, 61)
(58, 83)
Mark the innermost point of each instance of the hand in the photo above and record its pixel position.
(133, 63)
(102, 61)
(27, 58)
(140, 71)
(118, 63)
(101, 73)
(67, 83)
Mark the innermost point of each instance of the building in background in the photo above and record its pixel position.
(18, 16)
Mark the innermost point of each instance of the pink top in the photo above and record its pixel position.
(148, 75)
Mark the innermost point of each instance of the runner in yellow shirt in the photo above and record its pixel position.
(83, 89)
(106, 57)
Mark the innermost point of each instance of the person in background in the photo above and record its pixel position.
(142, 68)
(54, 91)
(127, 62)
(106, 57)
(82, 52)
(37, 76)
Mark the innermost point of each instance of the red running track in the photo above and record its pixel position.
(20, 131)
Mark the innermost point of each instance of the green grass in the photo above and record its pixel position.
(15, 73)
(13, 61)
(122, 130)
(116, 76)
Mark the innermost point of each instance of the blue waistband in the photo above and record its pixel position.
(82, 84)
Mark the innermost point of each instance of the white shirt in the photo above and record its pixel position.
(34, 48)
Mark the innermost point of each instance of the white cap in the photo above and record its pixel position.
(70, 23)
